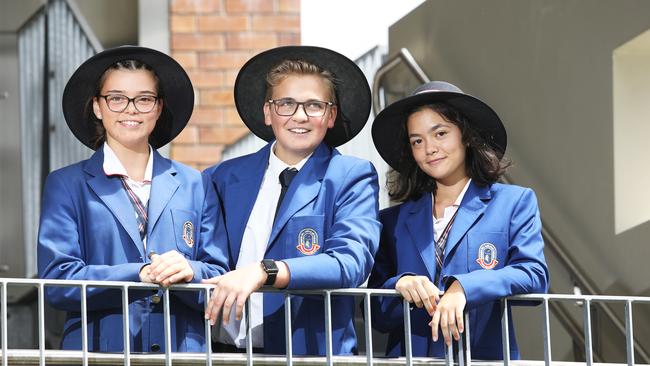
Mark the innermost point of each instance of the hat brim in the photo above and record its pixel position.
(352, 90)
(387, 124)
(174, 86)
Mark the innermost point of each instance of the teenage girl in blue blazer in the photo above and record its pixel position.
(127, 213)
(455, 230)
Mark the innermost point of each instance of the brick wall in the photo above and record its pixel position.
(212, 39)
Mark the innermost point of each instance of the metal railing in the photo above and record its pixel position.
(42, 356)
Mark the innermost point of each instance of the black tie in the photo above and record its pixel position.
(285, 177)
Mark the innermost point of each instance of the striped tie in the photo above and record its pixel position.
(140, 209)
(440, 248)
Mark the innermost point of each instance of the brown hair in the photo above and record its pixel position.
(287, 68)
(100, 133)
(482, 163)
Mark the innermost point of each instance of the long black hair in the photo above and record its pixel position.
(482, 163)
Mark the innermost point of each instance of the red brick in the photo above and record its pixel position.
(217, 98)
(221, 23)
(189, 135)
(251, 41)
(205, 154)
(229, 77)
(230, 60)
(276, 23)
(206, 116)
(289, 6)
(198, 42)
(206, 79)
(289, 39)
(231, 118)
(195, 6)
(225, 136)
(188, 60)
(183, 24)
(250, 6)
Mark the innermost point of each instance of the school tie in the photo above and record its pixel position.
(286, 176)
(140, 209)
(440, 248)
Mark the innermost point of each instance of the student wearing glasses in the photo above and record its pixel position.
(127, 213)
(299, 215)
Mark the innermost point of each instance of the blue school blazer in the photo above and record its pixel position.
(88, 231)
(495, 249)
(326, 231)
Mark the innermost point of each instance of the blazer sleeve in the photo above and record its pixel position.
(387, 311)
(353, 236)
(211, 255)
(210, 258)
(525, 270)
(60, 256)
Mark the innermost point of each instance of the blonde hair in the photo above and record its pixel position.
(298, 67)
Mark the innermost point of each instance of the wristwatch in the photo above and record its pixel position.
(271, 270)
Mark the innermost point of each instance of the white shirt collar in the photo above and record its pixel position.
(276, 166)
(113, 166)
(459, 199)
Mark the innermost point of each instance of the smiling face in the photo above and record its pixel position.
(130, 128)
(299, 135)
(437, 146)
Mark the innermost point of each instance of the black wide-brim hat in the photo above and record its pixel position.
(388, 123)
(352, 90)
(174, 86)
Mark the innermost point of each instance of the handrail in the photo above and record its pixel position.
(402, 56)
(583, 281)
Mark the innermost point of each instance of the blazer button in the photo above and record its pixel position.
(155, 347)
(155, 299)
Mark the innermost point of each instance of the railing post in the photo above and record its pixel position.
(547, 334)
(167, 327)
(41, 323)
(208, 331)
(5, 355)
(287, 328)
(84, 326)
(249, 333)
(464, 348)
(408, 352)
(505, 332)
(368, 328)
(328, 328)
(125, 325)
(589, 354)
(629, 333)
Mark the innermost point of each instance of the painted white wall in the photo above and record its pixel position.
(350, 27)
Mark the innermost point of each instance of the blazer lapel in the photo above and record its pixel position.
(419, 224)
(303, 189)
(111, 192)
(242, 189)
(163, 187)
(470, 210)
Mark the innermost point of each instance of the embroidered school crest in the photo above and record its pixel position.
(487, 256)
(188, 233)
(308, 239)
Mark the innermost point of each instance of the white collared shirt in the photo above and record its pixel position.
(440, 224)
(253, 246)
(113, 166)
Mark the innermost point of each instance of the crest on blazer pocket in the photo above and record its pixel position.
(308, 241)
(188, 233)
(487, 256)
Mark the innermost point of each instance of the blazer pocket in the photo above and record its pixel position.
(305, 235)
(486, 250)
(185, 229)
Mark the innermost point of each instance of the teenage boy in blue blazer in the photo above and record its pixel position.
(456, 229)
(323, 232)
(103, 218)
